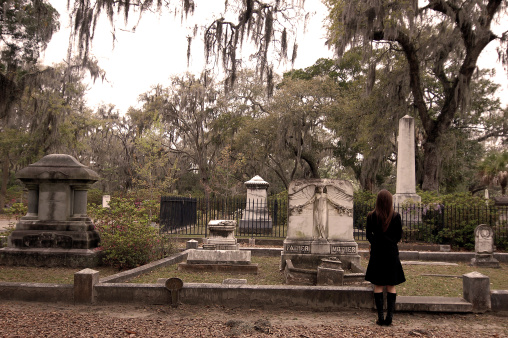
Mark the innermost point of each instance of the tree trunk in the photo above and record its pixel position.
(431, 165)
(5, 180)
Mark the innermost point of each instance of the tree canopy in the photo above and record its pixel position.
(441, 40)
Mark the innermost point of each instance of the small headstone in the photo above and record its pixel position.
(234, 281)
(105, 201)
(191, 244)
(174, 285)
(445, 248)
(484, 247)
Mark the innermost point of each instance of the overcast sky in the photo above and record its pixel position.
(158, 49)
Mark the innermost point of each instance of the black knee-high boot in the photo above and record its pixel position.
(390, 307)
(378, 299)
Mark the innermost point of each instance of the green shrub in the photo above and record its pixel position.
(16, 210)
(94, 196)
(128, 238)
(450, 219)
(364, 197)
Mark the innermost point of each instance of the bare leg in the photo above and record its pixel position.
(390, 288)
(378, 288)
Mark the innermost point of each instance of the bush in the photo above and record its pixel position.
(128, 238)
(16, 210)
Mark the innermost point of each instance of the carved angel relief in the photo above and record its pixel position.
(324, 197)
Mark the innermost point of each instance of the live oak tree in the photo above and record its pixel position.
(25, 29)
(50, 117)
(269, 25)
(441, 40)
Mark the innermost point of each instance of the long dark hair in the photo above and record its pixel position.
(384, 208)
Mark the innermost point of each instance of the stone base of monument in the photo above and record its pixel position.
(311, 252)
(485, 261)
(400, 198)
(321, 262)
(219, 260)
(328, 272)
(50, 257)
(256, 226)
(53, 238)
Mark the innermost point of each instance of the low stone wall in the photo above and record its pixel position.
(246, 296)
(499, 300)
(37, 292)
(149, 294)
(278, 296)
(111, 290)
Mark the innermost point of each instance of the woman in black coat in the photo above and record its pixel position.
(384, 231)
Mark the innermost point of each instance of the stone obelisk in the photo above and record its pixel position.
(406, 181)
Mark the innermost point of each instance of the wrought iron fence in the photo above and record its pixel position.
(254, 218)
(434, 223)
(440, 224)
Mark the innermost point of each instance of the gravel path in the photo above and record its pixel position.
(20, 319)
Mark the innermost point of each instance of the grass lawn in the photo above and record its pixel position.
(444, 280)
(45, 275)
(417, 282)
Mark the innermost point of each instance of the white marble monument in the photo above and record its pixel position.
(256, 218)
(320, 222)
(406, 181)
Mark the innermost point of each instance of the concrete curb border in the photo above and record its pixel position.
(112, 289)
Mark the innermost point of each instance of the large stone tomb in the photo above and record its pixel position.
(220, 252)
(320, 224)
(56, 230)
(256, 218)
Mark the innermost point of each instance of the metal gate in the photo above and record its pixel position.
(177, 212)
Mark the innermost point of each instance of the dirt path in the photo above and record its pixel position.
(61, 320)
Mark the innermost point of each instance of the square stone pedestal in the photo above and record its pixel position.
(311, 253)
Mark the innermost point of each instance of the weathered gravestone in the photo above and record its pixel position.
(484, 248)
(56, 230)
(256, 218)
(221, 252)
(320, 223)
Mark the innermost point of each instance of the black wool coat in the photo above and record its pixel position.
(384, 264)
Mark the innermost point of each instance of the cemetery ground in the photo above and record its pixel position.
(23, 319)
(20, 319)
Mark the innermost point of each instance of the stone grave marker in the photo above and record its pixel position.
(484, 248)
(174, 285)
(320, 222)
(56, 230)
(256, 218)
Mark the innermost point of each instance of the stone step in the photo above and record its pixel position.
(433, 304)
